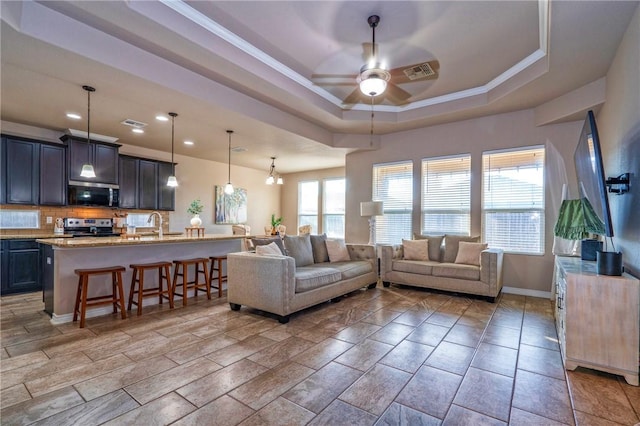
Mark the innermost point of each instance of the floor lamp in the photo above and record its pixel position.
(371, 209)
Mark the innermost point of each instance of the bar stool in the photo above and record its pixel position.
(180, 269)
(138, 278)
(116, 296)
(216, 266)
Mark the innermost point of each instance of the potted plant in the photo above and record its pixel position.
(195, 208)
(275, 222)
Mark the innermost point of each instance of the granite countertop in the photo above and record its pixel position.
(143, 240)
(33, 236)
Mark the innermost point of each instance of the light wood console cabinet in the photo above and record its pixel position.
(597, 318)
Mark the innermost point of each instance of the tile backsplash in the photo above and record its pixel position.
(71, 211)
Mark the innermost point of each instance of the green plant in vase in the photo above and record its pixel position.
(275, 222)
(195, 208)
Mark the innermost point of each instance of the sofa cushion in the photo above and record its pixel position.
(337, 250)
(268, 249)
(319, 248)
(451, 246)
(469, 253)
(435, 245)
(299, 247)
(264, 241)
(350, 269)
(413, 266)
(312, 277)
(454, 270)
(415, 249)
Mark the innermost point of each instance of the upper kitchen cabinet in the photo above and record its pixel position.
(128, 181)
(166, 194)
(102, 155)
(53, 175)
(148, 185)
(20, 171)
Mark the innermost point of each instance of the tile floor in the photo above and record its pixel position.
(387, 356)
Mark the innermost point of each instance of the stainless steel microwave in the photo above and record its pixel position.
(93, 194)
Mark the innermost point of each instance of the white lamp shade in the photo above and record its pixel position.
(280, 181)
(228, 188)
(371, 208)
(373, 86)
(87, 171)
(172, 181)
(270, 180)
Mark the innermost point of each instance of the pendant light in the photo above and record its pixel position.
(228, 188)
(87, 169)
(271, 179)
(172, 181)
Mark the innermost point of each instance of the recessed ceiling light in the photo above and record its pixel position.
(137, 130)
(73, 116)
(188, 142)
(161, 118)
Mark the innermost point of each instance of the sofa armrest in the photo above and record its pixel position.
(387, 254)
(262, 282)
(491, 269)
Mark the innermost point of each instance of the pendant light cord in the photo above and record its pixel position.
(229, 175)
(173, 118)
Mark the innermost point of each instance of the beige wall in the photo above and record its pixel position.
(472, 136)
(619, 129)
(290, 194)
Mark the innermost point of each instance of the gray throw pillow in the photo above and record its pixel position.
(319, 248)
(266, 241)
(451, 243)
(299, 247)
(435, 243)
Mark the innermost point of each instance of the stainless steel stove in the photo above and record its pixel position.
(89, 227)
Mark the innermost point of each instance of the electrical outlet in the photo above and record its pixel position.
(49, 220)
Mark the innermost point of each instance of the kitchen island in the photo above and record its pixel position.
(61, 256)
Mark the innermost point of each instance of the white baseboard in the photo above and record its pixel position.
(96, 312)
(527, 292)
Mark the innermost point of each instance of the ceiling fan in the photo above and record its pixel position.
(375, 83)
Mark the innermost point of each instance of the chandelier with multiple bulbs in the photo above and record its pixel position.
(271, 179)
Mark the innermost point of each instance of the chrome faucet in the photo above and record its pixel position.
(160, 222)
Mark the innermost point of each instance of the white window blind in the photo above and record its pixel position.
(393, 185)
(446, 195)
(333, 199)
(308, 205)
(513, 200)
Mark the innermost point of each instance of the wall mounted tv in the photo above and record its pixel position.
(590, 172)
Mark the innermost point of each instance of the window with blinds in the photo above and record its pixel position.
(513, 199)
(393, 185)
(446, 195)
(308, 205)
(333, 201)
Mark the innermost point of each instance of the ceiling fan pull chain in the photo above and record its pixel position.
(371, 133)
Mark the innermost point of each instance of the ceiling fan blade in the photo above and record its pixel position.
(416, 72)
(396, 95)
(353, 97)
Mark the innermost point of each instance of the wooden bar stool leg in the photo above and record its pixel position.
(206, 279)
(83, 308)
(132, 290)
(219, 277)
(160, 287)
(140, 291)
(121, 295)
(185, 280)
(78, 295)
(167, 275)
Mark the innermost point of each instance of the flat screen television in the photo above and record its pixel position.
(590, 172)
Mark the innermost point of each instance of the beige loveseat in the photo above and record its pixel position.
(275, 284)
(441, 271)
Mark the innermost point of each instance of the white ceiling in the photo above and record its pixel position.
(251, 66)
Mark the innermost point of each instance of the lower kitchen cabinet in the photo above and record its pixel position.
(20, 266)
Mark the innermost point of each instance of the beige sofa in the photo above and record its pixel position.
(441, 271)
(273, 283)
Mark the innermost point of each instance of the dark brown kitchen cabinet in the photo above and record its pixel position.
(148, 184)
(20, 171)
(53, 175)
(102, 155)
(21, 270)
(166, 194)
(128, 181)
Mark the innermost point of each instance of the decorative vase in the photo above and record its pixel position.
(196, 221)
